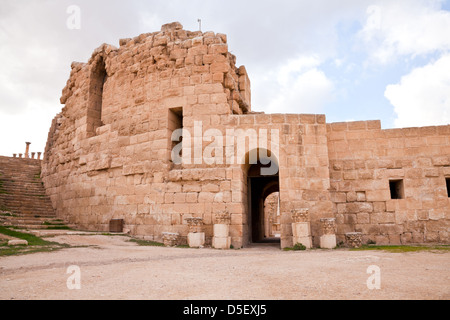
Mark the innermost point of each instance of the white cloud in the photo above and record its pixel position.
(406, 27)
(31, 125)
(302, 87)
(423, 96)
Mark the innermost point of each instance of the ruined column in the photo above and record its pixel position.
(20, 155)
(301, 227)
(14, 155)
(196, 236)
(39, 155)
(27, 150)
(328, 238)
(353, 239)
(222, 239)
(32, 155)
(170, 239)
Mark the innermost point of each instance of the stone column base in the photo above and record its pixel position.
(221, 230)
(221, 239)
(196, 240)
(221, 242)
(328, 241)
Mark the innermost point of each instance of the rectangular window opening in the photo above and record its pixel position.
(175, 123)
(447, 182)
(397, 189)
(97, 80)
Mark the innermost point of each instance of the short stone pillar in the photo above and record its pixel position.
(301, 227)
(20, 155)
(14, 155)
(222, 239)
(353, 239)
(170, 239)
(328, 238)
(196, 235)
(32, 155)
(39, 155)
(27, 150)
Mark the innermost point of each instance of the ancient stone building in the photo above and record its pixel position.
(114, 152)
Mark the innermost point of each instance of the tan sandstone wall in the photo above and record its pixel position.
(120, 167)
(364, 158)
(108, 154)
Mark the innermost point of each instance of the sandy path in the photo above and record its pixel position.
(117, 269)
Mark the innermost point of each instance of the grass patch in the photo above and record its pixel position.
(58, 228)
(7, 214)
(400, 249)
(147, 243)
(296, 247)
(35, 244)
(184, 246)
(2, 189)
(55, 225)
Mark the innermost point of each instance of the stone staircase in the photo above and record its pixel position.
(23, 202)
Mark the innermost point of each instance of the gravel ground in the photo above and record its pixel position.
(113, 268)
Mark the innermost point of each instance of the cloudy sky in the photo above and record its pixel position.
(349, 59)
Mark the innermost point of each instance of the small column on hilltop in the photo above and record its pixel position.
(196, 236)
(27, 150)
(328, 238)
(39, 155)
(301, 227)
(32, 155)
(222, 239)
(20, 155)
(14, 155)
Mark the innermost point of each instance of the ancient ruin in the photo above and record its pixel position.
(116, 151)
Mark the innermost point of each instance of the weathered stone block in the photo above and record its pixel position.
(223, 243)
(170, 239)
(306, 241)
(221, 230)
(196, 240)
(354, 239)
(328, 241)
(301, 229)
(301, 232)
(17, 242)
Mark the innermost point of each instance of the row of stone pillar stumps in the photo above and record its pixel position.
(301, 230)
(26, 155)
(196, 236)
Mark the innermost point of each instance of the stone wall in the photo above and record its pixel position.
(109, 151)
(363, 161)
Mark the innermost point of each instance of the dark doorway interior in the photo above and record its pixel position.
(259, 188)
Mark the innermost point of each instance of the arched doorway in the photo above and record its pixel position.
(259, 186)
(272, 217)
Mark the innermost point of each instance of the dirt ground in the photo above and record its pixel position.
(111, 267)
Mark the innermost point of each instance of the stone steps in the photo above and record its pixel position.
(23, 200)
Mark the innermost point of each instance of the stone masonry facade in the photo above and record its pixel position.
(109, 153)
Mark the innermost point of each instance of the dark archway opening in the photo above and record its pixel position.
(259, 188)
